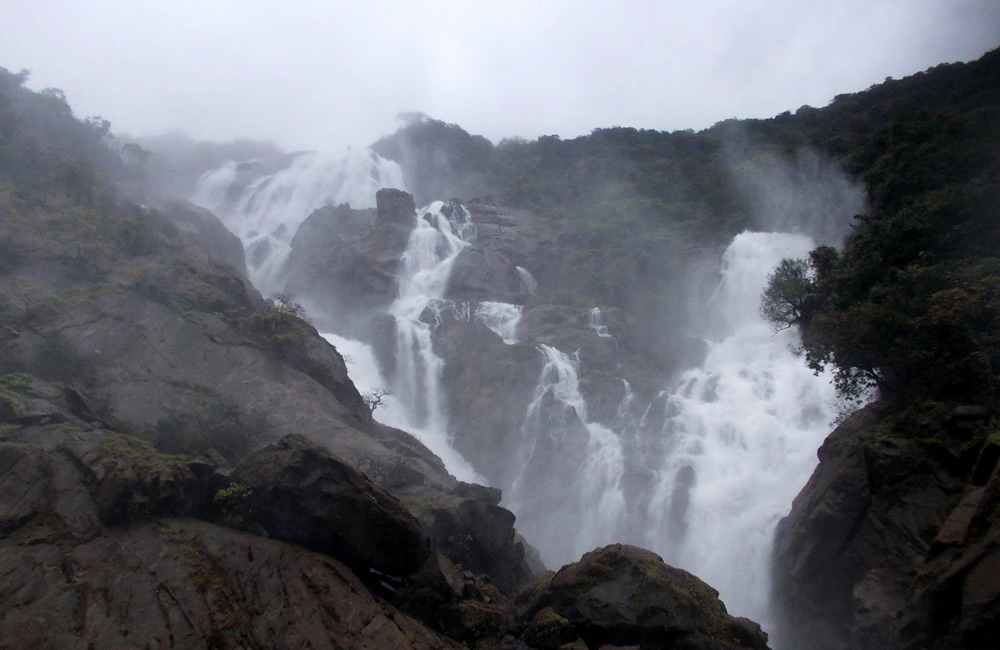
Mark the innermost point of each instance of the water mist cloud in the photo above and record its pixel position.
(325, 75)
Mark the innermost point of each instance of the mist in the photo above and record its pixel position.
(327, 76)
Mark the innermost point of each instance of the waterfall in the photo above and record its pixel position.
(596, 323)
(528, 280)
(712, 474)
(742, 432)
(264, 207)
(501, 317)
(434, 244)
(568, 493)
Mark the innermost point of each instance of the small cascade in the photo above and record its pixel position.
(265, 208)
(501, 317)
(568, 495)
(528, 280)
(434, 244)
(596, 323)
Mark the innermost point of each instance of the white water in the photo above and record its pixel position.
(737, 443)
(530, 284)
(501, 317)
(434, 243)
(596, 322)
(568, 492)
(266, 212)
(721, 468)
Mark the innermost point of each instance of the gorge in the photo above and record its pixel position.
(414, 394)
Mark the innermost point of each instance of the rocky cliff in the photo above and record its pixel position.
(894, 541)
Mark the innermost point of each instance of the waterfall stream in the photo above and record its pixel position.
(701, 475)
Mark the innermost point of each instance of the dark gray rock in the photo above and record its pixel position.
(626, 596)
(205, 234)
(305, 495)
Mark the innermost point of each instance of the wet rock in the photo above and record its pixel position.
(204, 234)
(622, 595)
(305, 495)
(477, 534)
(188, 584)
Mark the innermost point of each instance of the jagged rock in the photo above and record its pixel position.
(457, 603)
(395, 207)
(883, 538)
(477, 534)
(347, 260)
(305, 495)
(624, 595)
(204, 234)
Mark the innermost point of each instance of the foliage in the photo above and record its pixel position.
(279, 327)
(19, 382)
(912, 303)
(233, 501)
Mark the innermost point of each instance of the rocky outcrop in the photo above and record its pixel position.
(487, 269)
(890, 543)
(470, 528)
(203, 233)
(301, 493)
(183, 583)
(345, 261)
(626, 596)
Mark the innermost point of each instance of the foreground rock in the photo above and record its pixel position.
(893, 542)
(182, 583)
(626, 596)
(301, 493)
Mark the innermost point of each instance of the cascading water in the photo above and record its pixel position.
(735, 440)
(435, 242)
(501, 317)
(565, 500)
(719, 455)
(264, 209)
(741, 435)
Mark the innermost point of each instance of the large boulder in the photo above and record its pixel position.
(888, 543)
(344, 262)
(303, 494)
(626, 596)
(469, 527)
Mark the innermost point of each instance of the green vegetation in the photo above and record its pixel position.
(911, 305)
(19, 382)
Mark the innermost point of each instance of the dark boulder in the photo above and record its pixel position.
(626, 596)
(301, 493)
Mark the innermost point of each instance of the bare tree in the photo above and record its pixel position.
(374, 398)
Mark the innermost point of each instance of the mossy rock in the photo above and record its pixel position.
(549, 630)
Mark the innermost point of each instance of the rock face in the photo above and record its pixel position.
(305, 495)
(188, 584)
(626, 596)
(890, 543)
(204, 233)
(346, 260)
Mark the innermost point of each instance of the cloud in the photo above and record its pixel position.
(328, 74)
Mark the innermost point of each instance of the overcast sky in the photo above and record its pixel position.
(324, 75)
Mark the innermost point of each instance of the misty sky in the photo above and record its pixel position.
(323, 75)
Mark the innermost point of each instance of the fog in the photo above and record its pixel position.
(326, 75)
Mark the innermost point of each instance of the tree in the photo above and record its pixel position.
(785, 301)
(375, 397)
